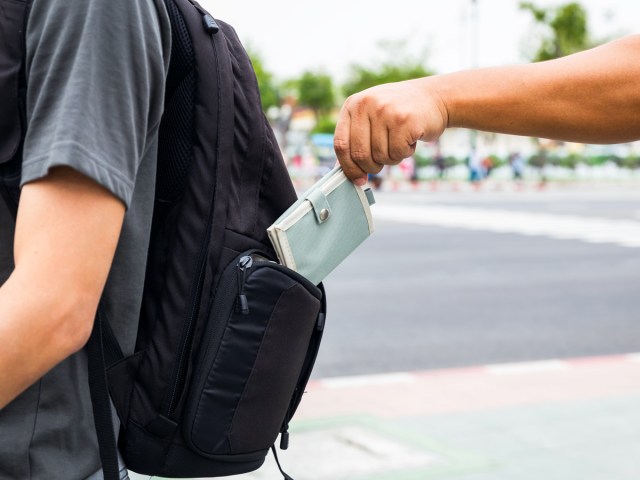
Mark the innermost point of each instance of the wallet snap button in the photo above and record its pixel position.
(324, 214)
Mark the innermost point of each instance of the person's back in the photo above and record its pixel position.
(95, 78)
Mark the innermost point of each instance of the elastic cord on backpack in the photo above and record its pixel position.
(275, 455)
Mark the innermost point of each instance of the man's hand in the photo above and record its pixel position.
(67, 231)
(380, 126)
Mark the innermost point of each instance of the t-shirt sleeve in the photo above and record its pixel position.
(95, 88)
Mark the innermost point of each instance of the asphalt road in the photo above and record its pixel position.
(416, 297)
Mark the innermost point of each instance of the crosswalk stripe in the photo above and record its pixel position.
(625, 233)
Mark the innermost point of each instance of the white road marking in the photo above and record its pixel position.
(527, 367)
(498, 369)
(634, 357)
(625, 233)
(368, 380)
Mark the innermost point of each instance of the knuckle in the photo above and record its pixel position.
(360, 155)
(397, 154)
(340, 145)
(379, 155)
(381, 108)
(401, 116)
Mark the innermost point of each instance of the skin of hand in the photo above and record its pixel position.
(588, 97)
(381, 126)
(67, 231)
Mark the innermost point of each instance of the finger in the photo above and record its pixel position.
(379, 142)
(401, 146)
(361, 139)
(342, 147)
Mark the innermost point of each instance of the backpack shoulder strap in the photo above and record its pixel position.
(13, 23)
(103, 351)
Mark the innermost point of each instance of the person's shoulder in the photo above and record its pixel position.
(124, 22)
(125, 9)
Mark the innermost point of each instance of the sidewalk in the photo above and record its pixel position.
(551, 420)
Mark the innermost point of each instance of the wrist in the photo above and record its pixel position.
(437, 98)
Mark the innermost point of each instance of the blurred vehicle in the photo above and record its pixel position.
(322, 147)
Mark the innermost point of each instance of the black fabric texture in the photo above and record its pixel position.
(12, 23)
(175, 147)
(148, 455)
(190, 406)
(99, 349)
(263, 189)
(251, 375)
(13, 18)
(268, 390)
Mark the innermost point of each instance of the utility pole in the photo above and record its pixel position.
(475, 38)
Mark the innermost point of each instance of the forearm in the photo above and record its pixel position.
(67, 231)
(37, 331)
(590, 97)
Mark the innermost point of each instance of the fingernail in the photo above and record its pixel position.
(360, 181)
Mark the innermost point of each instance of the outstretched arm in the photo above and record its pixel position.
(591, 97)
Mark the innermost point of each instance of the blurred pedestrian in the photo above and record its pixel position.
(440, 164)
(516, 162)
(487, 166)
(475, 167)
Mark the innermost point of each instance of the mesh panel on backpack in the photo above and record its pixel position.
(175, 147)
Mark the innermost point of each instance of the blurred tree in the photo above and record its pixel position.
(269, 90)
(325, 124)
(316, 91)
(567, 29)
(394, 67)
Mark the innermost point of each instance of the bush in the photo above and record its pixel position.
(324, 125)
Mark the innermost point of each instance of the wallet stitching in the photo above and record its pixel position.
(286, 249)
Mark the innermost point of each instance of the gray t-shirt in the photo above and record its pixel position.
(96, 71)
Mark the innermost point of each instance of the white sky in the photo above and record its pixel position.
(294, 35)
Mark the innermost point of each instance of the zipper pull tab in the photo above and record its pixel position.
(210, 24)
(242, 304)
(284, 438)
(284, 430)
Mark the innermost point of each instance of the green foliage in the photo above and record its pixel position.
(570, 161)
(325, 124)
(423, 160)
(362, 77)
(497, 161)
(316, 91)
(269, 90)
(539, 160)
(394, 67)
(597, 160)
(632, 162)
(566, 26)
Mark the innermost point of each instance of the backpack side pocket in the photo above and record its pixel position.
(257, 342)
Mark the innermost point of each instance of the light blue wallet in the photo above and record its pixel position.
(325, 225)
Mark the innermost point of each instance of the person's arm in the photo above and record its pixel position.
(66, 235)
(590, 97)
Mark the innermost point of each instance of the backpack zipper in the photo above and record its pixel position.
(211, 27)
(242, 304)
(303, 379)
(180, 369)
(229, 287)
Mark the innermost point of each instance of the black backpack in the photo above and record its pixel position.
(227, 336)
